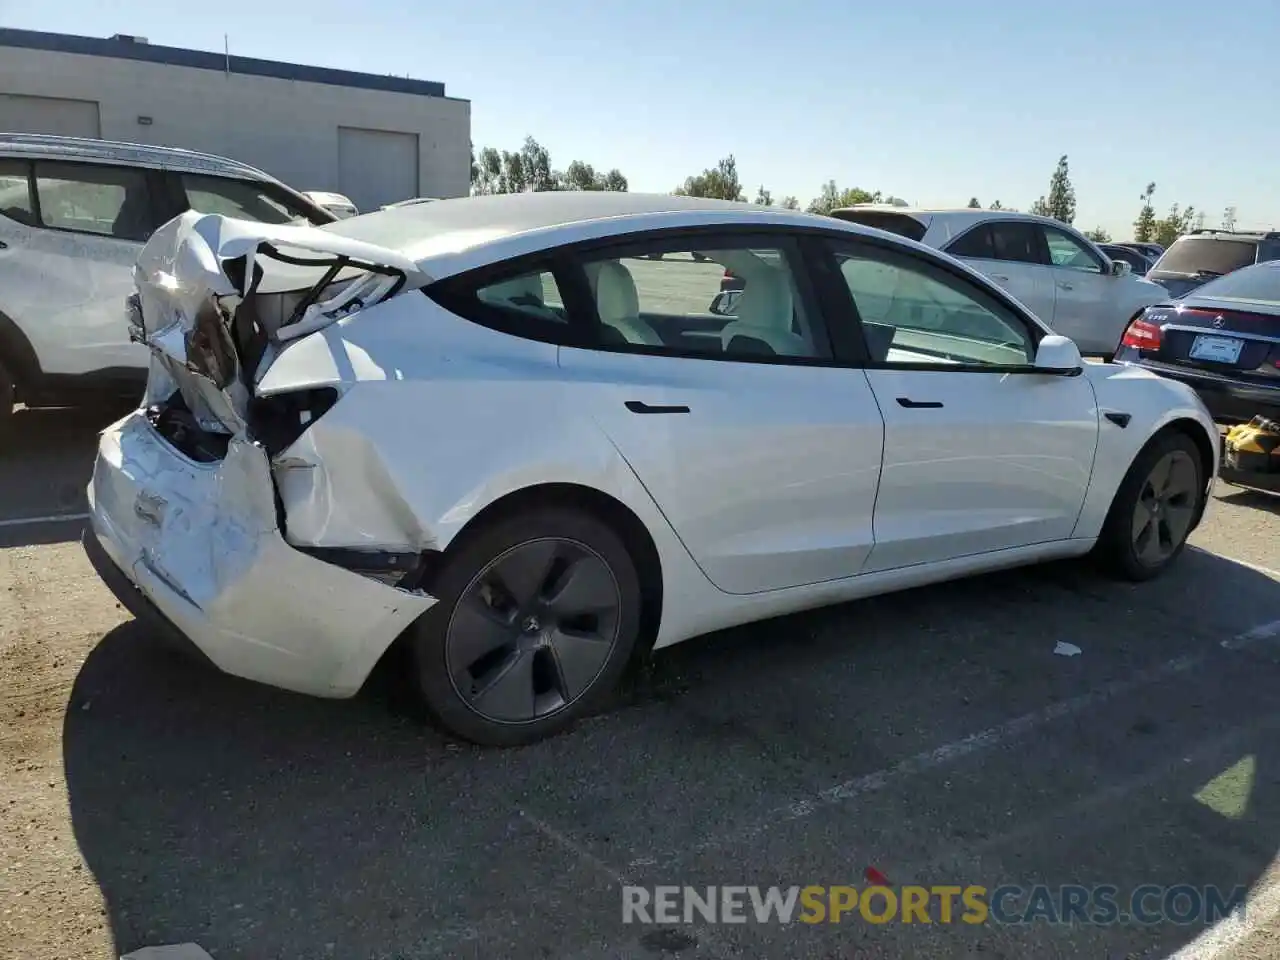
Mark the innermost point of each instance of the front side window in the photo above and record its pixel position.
(1068, 252)
(243, 199)
(108, 201)
(718, 297)
(913, 313)
(15, 192)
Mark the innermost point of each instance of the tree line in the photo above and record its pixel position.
(529, 169)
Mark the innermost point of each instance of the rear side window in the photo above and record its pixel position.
(1002, 240)
(244, 200)
(107, 201)
(977, 243)
(15, 192)
(1206, 255)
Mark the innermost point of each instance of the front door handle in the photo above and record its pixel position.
(639, 406)
(919, 404)
(1065, 286)
(1002, 279)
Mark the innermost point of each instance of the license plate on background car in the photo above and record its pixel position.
(1216, 349)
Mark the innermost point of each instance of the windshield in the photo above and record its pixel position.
(1207, 256)
(904, 225)
(1260, 282)
(248, 200)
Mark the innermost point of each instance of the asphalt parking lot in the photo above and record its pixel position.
(931, 735)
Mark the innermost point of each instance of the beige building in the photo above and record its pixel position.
(377, 139)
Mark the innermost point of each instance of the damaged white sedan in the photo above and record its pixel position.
(507, 434)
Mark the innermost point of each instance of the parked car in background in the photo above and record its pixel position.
(1196, 258)
(337, 204)
(1052, 268)
(1223, 339)
(73, 217)
(407, 203)
(510, 441)
(1148, 249)
(1139, 263)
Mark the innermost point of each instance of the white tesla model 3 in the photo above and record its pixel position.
(506, 433)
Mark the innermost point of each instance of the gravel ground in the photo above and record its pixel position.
(933, 735)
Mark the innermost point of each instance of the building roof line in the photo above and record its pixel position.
(125, 48)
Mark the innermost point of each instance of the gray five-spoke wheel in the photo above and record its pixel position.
(533, 630)
(1166, 505)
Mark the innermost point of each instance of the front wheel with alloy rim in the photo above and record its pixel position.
(1154, 509)
(537, 618)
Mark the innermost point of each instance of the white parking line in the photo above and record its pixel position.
(1256, 568)
(52, 518)
(975, 743)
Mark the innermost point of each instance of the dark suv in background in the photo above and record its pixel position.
(1196, 258)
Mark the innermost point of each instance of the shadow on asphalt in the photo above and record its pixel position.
(261, 824)
(1247, 497)
(46, 460)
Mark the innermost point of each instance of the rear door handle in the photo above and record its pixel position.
(996, 276)
(1065, 286)
(639, 406)
(919, 404)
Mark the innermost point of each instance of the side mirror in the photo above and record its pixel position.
(1120, 268)
(725, 303)
(1058, 356)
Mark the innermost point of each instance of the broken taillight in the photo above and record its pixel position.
(277, 421)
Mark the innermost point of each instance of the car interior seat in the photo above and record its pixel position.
(132, 219)
(618, 304)
(766, 318)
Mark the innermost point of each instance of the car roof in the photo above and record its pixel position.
(35, 146)
(957, 217)
(449, 236)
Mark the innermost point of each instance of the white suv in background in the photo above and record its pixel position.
(74, 215)
(1055, 270)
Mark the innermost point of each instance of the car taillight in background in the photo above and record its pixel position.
(1145, 333)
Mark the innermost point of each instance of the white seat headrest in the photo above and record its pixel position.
(615, 290)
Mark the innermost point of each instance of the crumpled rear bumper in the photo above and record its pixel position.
(201, 543)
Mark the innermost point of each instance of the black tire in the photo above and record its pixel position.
(581, 535)
(1117, 549)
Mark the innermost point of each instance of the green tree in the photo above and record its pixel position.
(487, 172)
(720, 182)
(1098, 235)
(583, 176)
(995, 206)
(1062, 195)
(974, 204)
(614, 181)
(764, 198)
(1144, 227)
(790, 203)
(833, 198)
(527, 170)
(1171, 227)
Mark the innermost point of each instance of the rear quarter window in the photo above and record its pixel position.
(15, 192)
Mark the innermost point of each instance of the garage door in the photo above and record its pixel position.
(377, 166)
(66, 118)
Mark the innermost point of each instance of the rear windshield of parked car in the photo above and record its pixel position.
(1205, 255)
(1254, 283)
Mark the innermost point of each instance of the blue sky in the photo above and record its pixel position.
(931, 100)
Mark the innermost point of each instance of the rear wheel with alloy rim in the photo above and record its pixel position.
(1154, 509)
(536, 620)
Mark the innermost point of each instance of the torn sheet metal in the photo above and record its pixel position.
(201, 540)
(198, 273)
